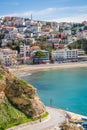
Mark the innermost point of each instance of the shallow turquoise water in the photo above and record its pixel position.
(66, 88)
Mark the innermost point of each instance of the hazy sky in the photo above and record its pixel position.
(55, 10)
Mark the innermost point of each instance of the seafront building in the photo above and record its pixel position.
(66, 54)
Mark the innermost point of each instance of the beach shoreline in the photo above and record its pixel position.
(43, 67)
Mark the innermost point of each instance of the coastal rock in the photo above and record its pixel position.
(20, 94)
(71, 126)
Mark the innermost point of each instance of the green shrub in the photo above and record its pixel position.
(23, 82)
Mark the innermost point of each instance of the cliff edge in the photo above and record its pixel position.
(17, 98)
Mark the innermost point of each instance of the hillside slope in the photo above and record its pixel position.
(18, 99)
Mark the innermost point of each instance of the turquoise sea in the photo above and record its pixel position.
(66, 88)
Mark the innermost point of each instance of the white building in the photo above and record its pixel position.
(55, 26)
(71, 54)
(24, 53)
(84, 34)
(8, 57)
(67, 32)
(80, 52)
(64, 54)
(1, 57)
(4, 42)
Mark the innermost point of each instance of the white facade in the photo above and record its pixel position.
(24, 52)
(8, 56)
(71, 54)
(84, 34)
(57, 54)
(1, 57)
(65, 54)
(81, 52)
(35, 29)
(4, 42)
(24, 48)
(68, 32)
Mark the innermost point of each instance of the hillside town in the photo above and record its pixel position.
(26, 41)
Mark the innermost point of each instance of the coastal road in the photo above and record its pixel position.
(55, 118)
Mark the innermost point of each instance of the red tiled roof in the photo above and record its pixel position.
(35, 47)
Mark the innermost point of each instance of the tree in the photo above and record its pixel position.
(42, 38)
(14, 45)
(45, 45)
(39, 54)
(85, 28)
(48, 24)
(1, 37)
(79, 44)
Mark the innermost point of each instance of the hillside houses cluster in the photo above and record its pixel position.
(25, 33)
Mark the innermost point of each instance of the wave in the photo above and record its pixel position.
(23, 74)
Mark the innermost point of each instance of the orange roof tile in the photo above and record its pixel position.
(35, 47)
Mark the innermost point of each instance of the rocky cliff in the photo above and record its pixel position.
(19, 95)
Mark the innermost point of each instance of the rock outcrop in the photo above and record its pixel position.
(21, 95)
(71, 126)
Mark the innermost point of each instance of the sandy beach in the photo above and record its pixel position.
(42, 67)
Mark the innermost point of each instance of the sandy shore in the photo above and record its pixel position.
(42, 67)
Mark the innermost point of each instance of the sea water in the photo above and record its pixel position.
(65, 88)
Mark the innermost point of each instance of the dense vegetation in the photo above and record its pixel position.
(14, 45)
(39, 54)
(79, 44)
(10, 116)
(44, 45)
(1, 37)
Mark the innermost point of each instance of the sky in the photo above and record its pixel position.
(47, 10)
